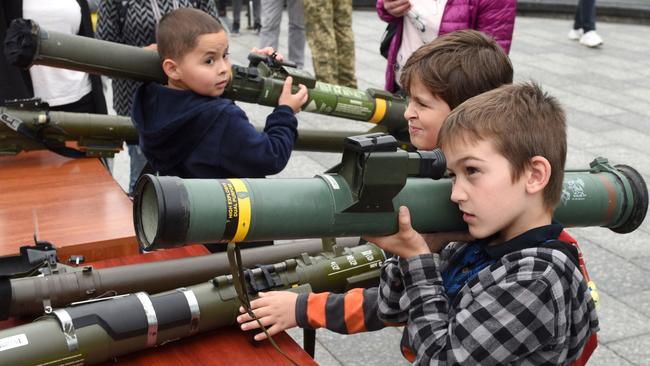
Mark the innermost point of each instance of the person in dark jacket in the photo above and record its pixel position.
(186, 129)
(134, 23)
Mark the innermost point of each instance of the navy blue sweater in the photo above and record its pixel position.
(193, 136)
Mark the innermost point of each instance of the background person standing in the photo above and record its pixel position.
(270, 33)
(584, 26)
(331, 40)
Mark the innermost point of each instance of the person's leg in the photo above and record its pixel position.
(319, 26)
(236, 15)
(138, 161)
(577, 22)
(296, 32)
(271, 18)
(589, 37)
(587, 15)
(344, 42)
(257, 20)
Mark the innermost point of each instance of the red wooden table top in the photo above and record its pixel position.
(79, 207)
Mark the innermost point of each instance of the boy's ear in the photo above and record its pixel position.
(538, 174)
(170, 67)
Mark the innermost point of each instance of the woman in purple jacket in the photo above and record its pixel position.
(420, 21)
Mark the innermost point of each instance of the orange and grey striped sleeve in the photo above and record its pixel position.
(351, 312)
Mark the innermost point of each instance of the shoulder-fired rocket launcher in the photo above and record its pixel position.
(359, 197)
(99, 331)
(27, 125)
(261, 82)
(66, 285)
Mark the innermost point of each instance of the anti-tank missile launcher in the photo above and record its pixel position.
(27, 125)
(101, 330)
(36, 295)
(359, 197)
(260, 82)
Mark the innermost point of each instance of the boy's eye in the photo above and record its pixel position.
(451, 176)
(471, 170)
(209, 61)
(225, 55)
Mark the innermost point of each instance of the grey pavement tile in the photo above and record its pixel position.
(637, 349)
(637, 122)
(626, 137)
(643, 262)
(606, 96)
(626, 246)
(639, 301)
(363, 349)
(544, 78)
(605, 356)
(619, 321)
(586, 139)
(586, 104)
(578, 158)
(300, 166)
(613, 274)
(322, 356)
(584, 119)
(641, 93)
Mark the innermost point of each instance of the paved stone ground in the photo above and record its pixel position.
(606, 93)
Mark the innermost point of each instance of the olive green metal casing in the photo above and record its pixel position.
(39, 294)
(260, 84)
(100, 135)
(53, 341)
(170, 211)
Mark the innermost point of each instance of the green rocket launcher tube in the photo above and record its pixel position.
(95, 332)
(358, 200)
(28, 125)
(40, 294)
(27, 44)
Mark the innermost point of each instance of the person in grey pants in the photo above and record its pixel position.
(270, 33)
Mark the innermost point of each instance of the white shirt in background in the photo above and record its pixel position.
(54, 85)
(421, 26)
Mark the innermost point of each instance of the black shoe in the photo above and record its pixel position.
(235, 27)
(257, 27)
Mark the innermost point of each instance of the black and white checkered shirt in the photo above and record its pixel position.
(532, 307)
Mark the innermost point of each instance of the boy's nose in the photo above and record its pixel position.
(408, 112)
(457, 193)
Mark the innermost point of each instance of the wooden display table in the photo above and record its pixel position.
(79, 207)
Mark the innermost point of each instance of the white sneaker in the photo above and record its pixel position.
(591, 39)
(575, 34)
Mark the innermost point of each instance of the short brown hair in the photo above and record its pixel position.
(179, 30)
(458, 66)
(522, 121)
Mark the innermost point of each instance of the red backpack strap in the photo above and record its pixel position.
(592, 342)
(590, 347)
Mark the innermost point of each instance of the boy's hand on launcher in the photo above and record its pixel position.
(294, 101)
(276, 310)
(407, 242)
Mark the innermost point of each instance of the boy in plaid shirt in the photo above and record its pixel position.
(438, 77)
(516, 294)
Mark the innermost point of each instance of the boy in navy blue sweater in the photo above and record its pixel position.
(186, 129)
